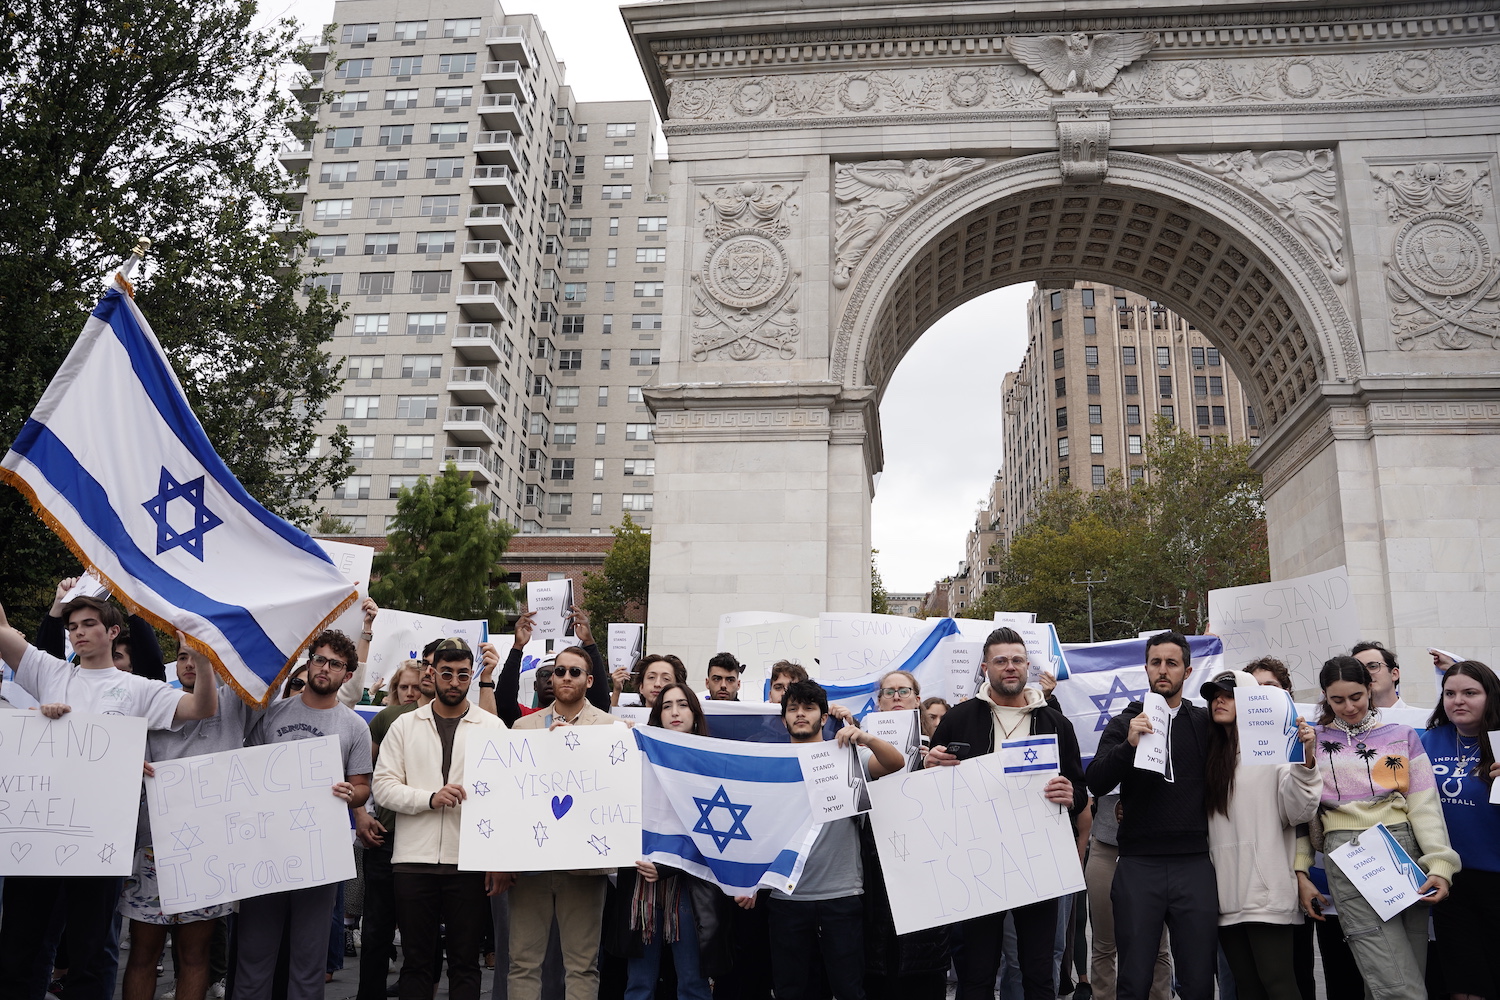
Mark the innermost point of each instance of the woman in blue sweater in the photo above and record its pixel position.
(1465, 769)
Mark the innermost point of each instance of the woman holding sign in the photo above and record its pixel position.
(1253, 812)
(1463, 760)
(1377, 779)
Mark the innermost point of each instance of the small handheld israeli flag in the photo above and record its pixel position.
(1029, 754)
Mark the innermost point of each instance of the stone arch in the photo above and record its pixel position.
(1209, 252)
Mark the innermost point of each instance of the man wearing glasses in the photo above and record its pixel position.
(421, 777)
(1385, 674)
(315, 712)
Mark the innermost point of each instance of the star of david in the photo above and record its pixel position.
(302, 817)
(486, 828)
(1029, 755)
(481, 788)
(204, 520)
(107, 853)
(1117, 690)
(187, 838)
(898, 844)
(737, 813)
(617, 753)
(571, 740)
(599, 844)
(540, 833)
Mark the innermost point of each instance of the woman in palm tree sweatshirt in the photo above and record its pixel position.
(1375, 772)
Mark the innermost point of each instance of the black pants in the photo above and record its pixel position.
(1179, 893)
(378, 929)
(1260, 957)
(1302, 959)
(456, 901)
(1341, 975)
(750, 943)
(93, 948)
(984, 946)
(801, 930)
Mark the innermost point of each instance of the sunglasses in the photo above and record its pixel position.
(296, 685)
(462, 675)
(568, 671)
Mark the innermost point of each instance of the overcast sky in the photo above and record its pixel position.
(941, 415)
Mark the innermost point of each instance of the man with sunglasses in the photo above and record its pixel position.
(316, 712)
(421, 777)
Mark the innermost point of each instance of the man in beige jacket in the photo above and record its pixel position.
(420, 775)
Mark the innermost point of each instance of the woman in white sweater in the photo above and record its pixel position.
(1253, 812)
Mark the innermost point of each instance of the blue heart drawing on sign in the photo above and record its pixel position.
(411, 654)
(560, 806)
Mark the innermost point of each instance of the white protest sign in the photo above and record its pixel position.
(626, 642)
(1266, 718)
(401, 635)
(1014, 618)
(249, 822)
(853, 646)
(740, 619)
(1495, 753)
(1301, 621)
(550, 599)
(1381, 870)
(69, 793)
(1044, 650)
(355, 562)
(963, 668)
(902, 730)
(964, 841)
(834, 779)
(1151, 752)
(563, 800)
(759, 644)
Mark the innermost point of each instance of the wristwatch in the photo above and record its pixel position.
(367, 636)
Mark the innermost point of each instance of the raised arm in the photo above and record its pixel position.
(203, 701)
(599, 682)
(13, 644)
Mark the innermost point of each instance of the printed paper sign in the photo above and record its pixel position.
(1266, 718)
(355, 562)
(1044, 650)
(902, 730)
(249, 822)
(853, 646)
(564, 800)
(1014, 618)
(961, 842)
(1030, 755)
(401, 636)
(550, 599)
(1301, 621)
(1381, 870)
(69, 793)
(963, 668)
(1495, 753)
(835, 780)
(1151, 752)
(626, 642)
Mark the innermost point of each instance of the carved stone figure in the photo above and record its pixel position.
(1300, 185)
(870, 195)
(1077, 63)
(747, 204)
(1412, 188)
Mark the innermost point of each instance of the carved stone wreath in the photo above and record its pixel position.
(751, 97)
(858, 92)
(967, 89)
(1188, 82)
(745, 269)
(1442, 253)
(1291, 87)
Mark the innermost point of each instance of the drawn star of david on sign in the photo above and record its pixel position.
(617, 752)
(481, 788)
(1103, 702)
(539, 831)
(486, 828)
(599, 844)
(159, 507)
(737, 813)
(107, 853)
(302, 817)
(187, 838)
(571, 739)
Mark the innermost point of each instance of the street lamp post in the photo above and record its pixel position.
(1089, 582)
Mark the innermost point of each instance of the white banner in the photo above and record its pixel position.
(69, 793)
(757, 645)
(854, 646)
(740, 619)
(964, 841)
(1301, 621)
(249, 822)
(563, 800)
(401, 635)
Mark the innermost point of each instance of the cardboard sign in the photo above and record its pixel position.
(902, 730)
(834, 779)
(1266, 718)
(564, 800)
(69, 793)
(1301, 621)
(1151, 752)
(627, 640)
(964, 841)
(1381, 870)
(249, 822)
(550, 599)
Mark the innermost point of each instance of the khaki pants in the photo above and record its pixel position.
(577, 901)
(1391, 954)
(1099, 876)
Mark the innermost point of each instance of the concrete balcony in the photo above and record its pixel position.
(507, 77)
(494, 184)
(505, 111)
(509, 41)
(470, 424)
(481, 300)
(474, 385)
(312, 51)
(491, 222)
(478, 342)
(490, 260)
(308, 87)
(296, 155)
(498, 147)
(476, 461)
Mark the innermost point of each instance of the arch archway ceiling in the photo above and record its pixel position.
(1156, 245)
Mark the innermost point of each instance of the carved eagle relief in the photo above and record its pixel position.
(1076, 63)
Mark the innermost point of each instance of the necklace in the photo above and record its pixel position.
(1352, 733)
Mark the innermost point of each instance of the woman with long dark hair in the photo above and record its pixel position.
(1375, 772)
(1253, 812)
(1464, 764)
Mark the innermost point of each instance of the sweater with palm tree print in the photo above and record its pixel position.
(1382, 775)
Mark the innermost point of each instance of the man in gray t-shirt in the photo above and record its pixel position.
(315, 712)
(825, 913)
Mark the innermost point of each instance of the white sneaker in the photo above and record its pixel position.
(216, 990)
(171, 994)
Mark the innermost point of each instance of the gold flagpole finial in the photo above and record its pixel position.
(128, 268)
(141, 246)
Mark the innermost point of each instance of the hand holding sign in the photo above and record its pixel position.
(1148, 731)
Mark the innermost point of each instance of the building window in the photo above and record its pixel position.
(650, 289)
(538, 425)
(578, 257)
(604, 360)
(1250, 417)
(1062, 447)
(1132, 414)
(359, 33)
(372, 324)
(448, 132)
(570, 361)
(357, 69)
(615, 192)
(439, 206)
(1216, 385)
(1056, 301)
(575, 291)
(645, 321)
(564, 433)
(1060, 387)
(1164, 385)
(426, 324)
(609, 291)
(1091, 356)
(1097, 474)
(1096, 444)
(445, 166)
(353, 488)
(1200, 385)
(460, 27)
(431, 282)
(1213, 357)
(1169, 414)
(1057, 360)
(1127, 356)
(572, 324)
(365, 366)
(350, 100)
(1064, 476)
(1219, 418)
(560, 503)
(1202, 414)
(1164, 357)
(567, 395)
(648, 224)
(1093, 385)
(596, 503)
(1088, 298)
(411, 446)
(624, 162)
(562, 469)
(386, 208)
(640, 467)
(362, 446)
(396, 135)
(645, 358)
(452, 97)
(405, 65)
(535, 460)
(601, 431)
(640, 432)
(636, 501)
(416, 407)
(400, 100)
(580, 227)
(1090, 326)
(619, 130)
(1206, 440)
(1197, 357)
(382, 243)
(1137, 473)
(1132, 385)
(391, 170)
(436, 242)
(333, 209)
(577, 165)
(396, 484)
(377, 283)
(328, 246)
(650, 255)
(1096, 414)
(408, 31)
(603, 399)
(598, 468)
(1056, 329)
(1133, 444)
(1062, 418)
(339, 173)
(421, 365)
(361, 407)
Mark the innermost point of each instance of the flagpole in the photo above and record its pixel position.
(128, 268)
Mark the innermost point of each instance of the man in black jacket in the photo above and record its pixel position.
(1164, 876)
(1005, 708)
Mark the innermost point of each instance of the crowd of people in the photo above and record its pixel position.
(1210, 877)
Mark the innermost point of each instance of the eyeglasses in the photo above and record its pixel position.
(895, 692)
(319, 660)
(462, 675)
(1019, 661)
(568, 671)
(297, 684)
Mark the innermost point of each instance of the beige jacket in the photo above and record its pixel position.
(410, 769)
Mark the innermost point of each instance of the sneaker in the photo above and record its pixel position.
(217, 990)
(170, 994)
(349, 949)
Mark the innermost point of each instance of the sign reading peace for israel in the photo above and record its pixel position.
(69, 793)
(249, 822)
(562, 800)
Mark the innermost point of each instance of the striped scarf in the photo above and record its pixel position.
(652, 898)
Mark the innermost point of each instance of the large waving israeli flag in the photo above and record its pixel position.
(734, 814)
(117, 464)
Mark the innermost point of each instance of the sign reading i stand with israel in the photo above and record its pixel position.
(114, 460)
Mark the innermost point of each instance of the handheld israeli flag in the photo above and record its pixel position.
(1029, 755)
(115, 462)
(734, 814)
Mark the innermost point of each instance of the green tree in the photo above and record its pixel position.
(443, 553)
(879, 601)
(122, 120)
(621, 590)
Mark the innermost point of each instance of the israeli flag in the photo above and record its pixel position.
(1104, 677)
(1029, 755)
(114, 460)
(734, 814)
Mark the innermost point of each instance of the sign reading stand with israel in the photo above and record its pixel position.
(114, 460)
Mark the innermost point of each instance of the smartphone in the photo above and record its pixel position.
(958, 748)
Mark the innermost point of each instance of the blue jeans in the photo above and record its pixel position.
(691, 985)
